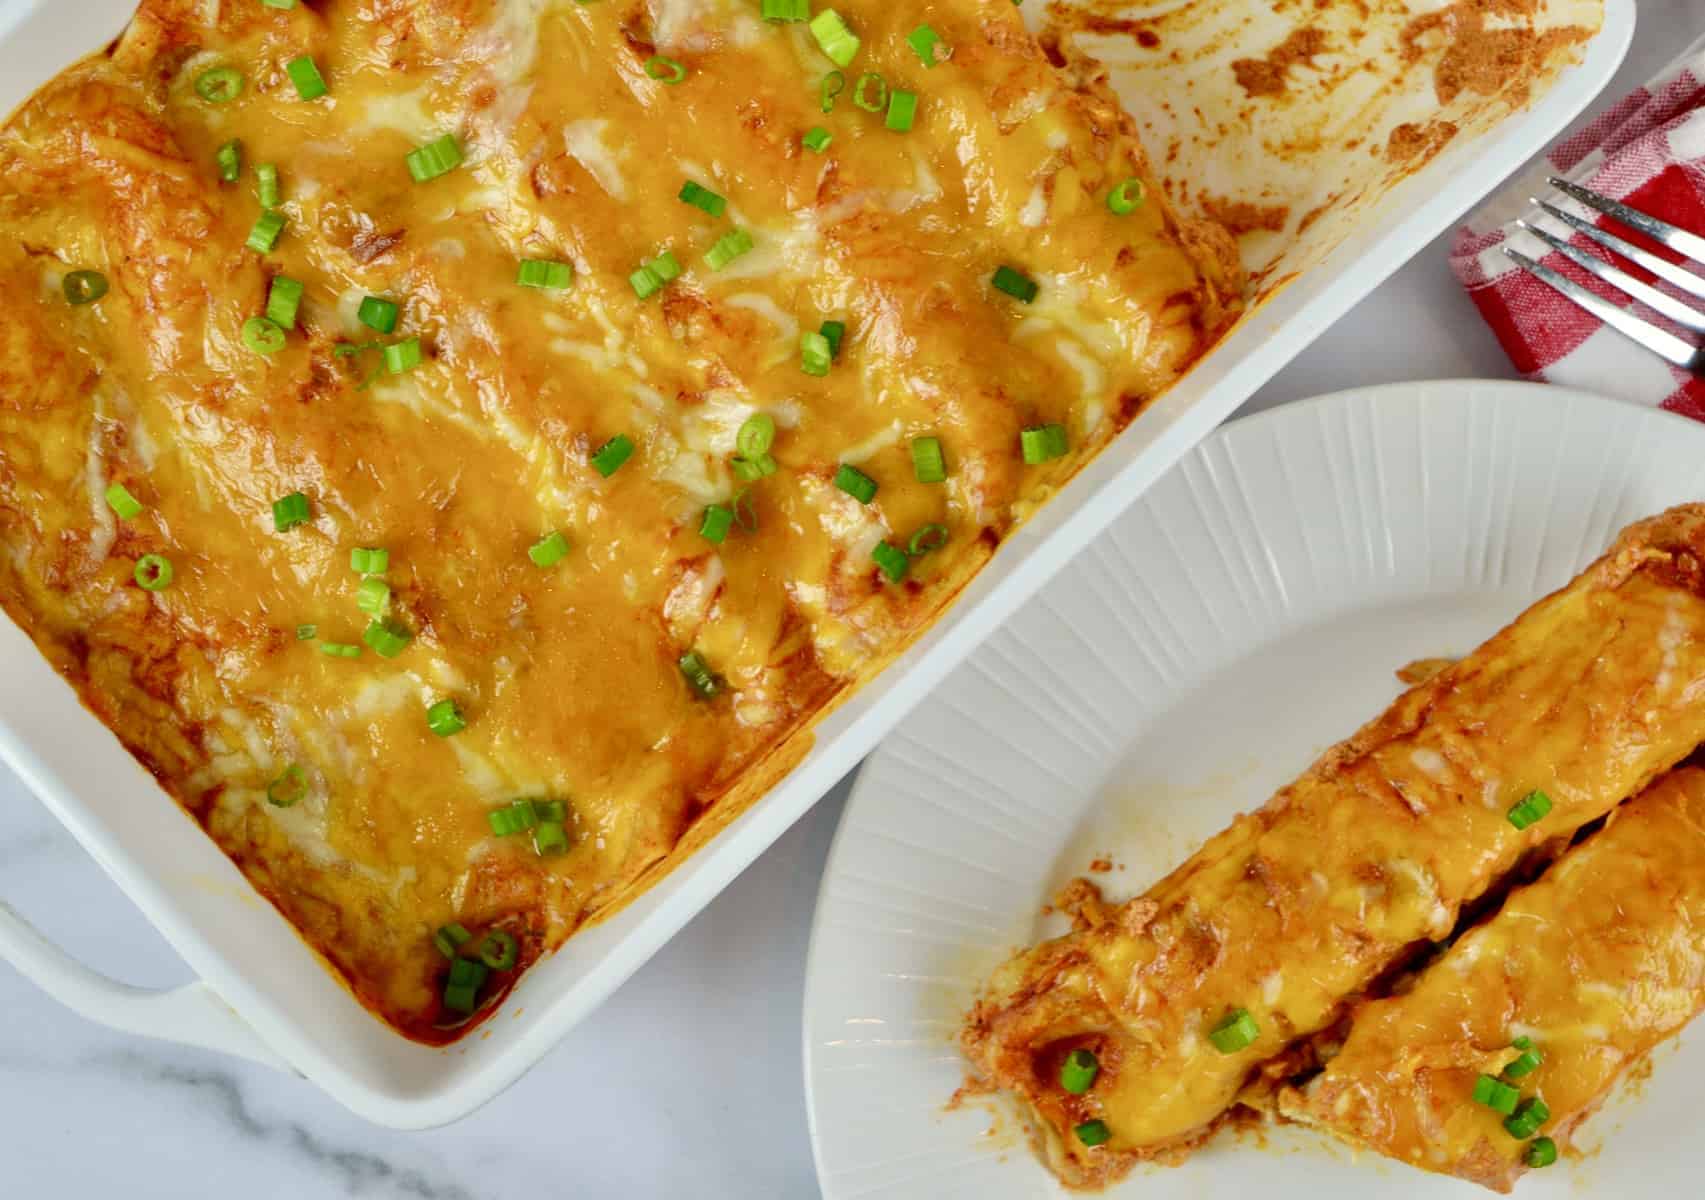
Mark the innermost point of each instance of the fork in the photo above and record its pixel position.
(1685, 354)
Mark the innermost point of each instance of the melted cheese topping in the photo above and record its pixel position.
(567, 676)
(1374, 850)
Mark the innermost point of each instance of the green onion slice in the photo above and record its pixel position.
(717, 521)
(744, 514)
(838, 42)
(665, 70)
(855, 483)
(833, 84)
(451, 938)
(926, 43)
(304, 72)
(437, 157)
(1525, 1063)
(929, 463)
(930, 537)
(1092, 1133)
(817, 139)
(549, 550)
(699, 676)
(498, 950)
(373, 596)
(1124, 199)
(862, 95)
(1016, 284)
(612, 454)
(84, 287)
(339, 650)
(307, 633)
(445, 718)
(122, 502)
(1236, 1031)
(1043, 443)
(378, 314)
(1540, 1152)
(263, 335)
(785, 10)
(550, 838)
(815, 353)
(1078, 1071)
(757, 434)
(290, 511)
(284, 301)
(289, 789)
(264, 234)
(1527, 1118)
(835, 332)
(153, 573)
(703, 198)
(230, 160)
(728, 248)
(893, 561)
(387, 638)
(751, 470)
(1529, 809)
(267, 190)
(550, 276)
(402, 356)
(902, 110)
(219, 85)
(1495, 1094)
(367, 560)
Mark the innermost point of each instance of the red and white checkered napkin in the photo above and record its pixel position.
(1649, 151)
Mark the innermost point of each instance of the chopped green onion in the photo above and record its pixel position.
(84, 287)
(153, 572)
(1540, 1152)
(1236, 1031)
(718, 520)
(930, 537)
(666, 267)
(893, 561)
(929, 464)
(387, 638)
(926, 43)
(289, 789)
(307, 633)
(1043, 443)
(267, 190)
(284, 301)
(855, 483)
(699, 675)
(468, 973)
(1079, 1070)
(279, 3)
(451, 938)
(263, 236)
(612, 454)
(729, 247)
(550, 810)
(499, 950)
(461, 998)
(757, 434)
(1526, 1062)
(834, 38)
(665, 70)
(835, 332)
(1529, 809)
(230, 160)
(438, 157)
(122, 502)
(290, 511)
(1016, 284)
(1092, 1133)
(220, 85)
(902, 110)
(650, 278)
(550, 838)
(750, 470)
(402, 356)
(378, 314)
(703, 198)
(1124, 199)
(817, 139)
(815, 354)
(744, 514)
(551, 276)
(833, 84)
(373, 596)
(518, 817)
(304, 72)
(445, 718)
(549, 550)
(870, 103)
(369, 560)
(1528, 1117)
(786, 10)
(263, 335)
(1495, 1094)
(339, 650)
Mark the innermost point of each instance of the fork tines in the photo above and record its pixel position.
(1660, 341)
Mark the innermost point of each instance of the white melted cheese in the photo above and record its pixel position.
(1430, 763)
(585, 140)
(400, 112)
(867, 449)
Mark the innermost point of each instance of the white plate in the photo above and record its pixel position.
(1248, 612)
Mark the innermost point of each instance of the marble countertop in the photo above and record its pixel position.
(687, 1084)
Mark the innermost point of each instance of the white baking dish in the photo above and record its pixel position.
(285, 1009)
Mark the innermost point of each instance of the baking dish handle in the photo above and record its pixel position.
(192, 1014)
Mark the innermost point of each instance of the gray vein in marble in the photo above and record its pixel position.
(361, 1172)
